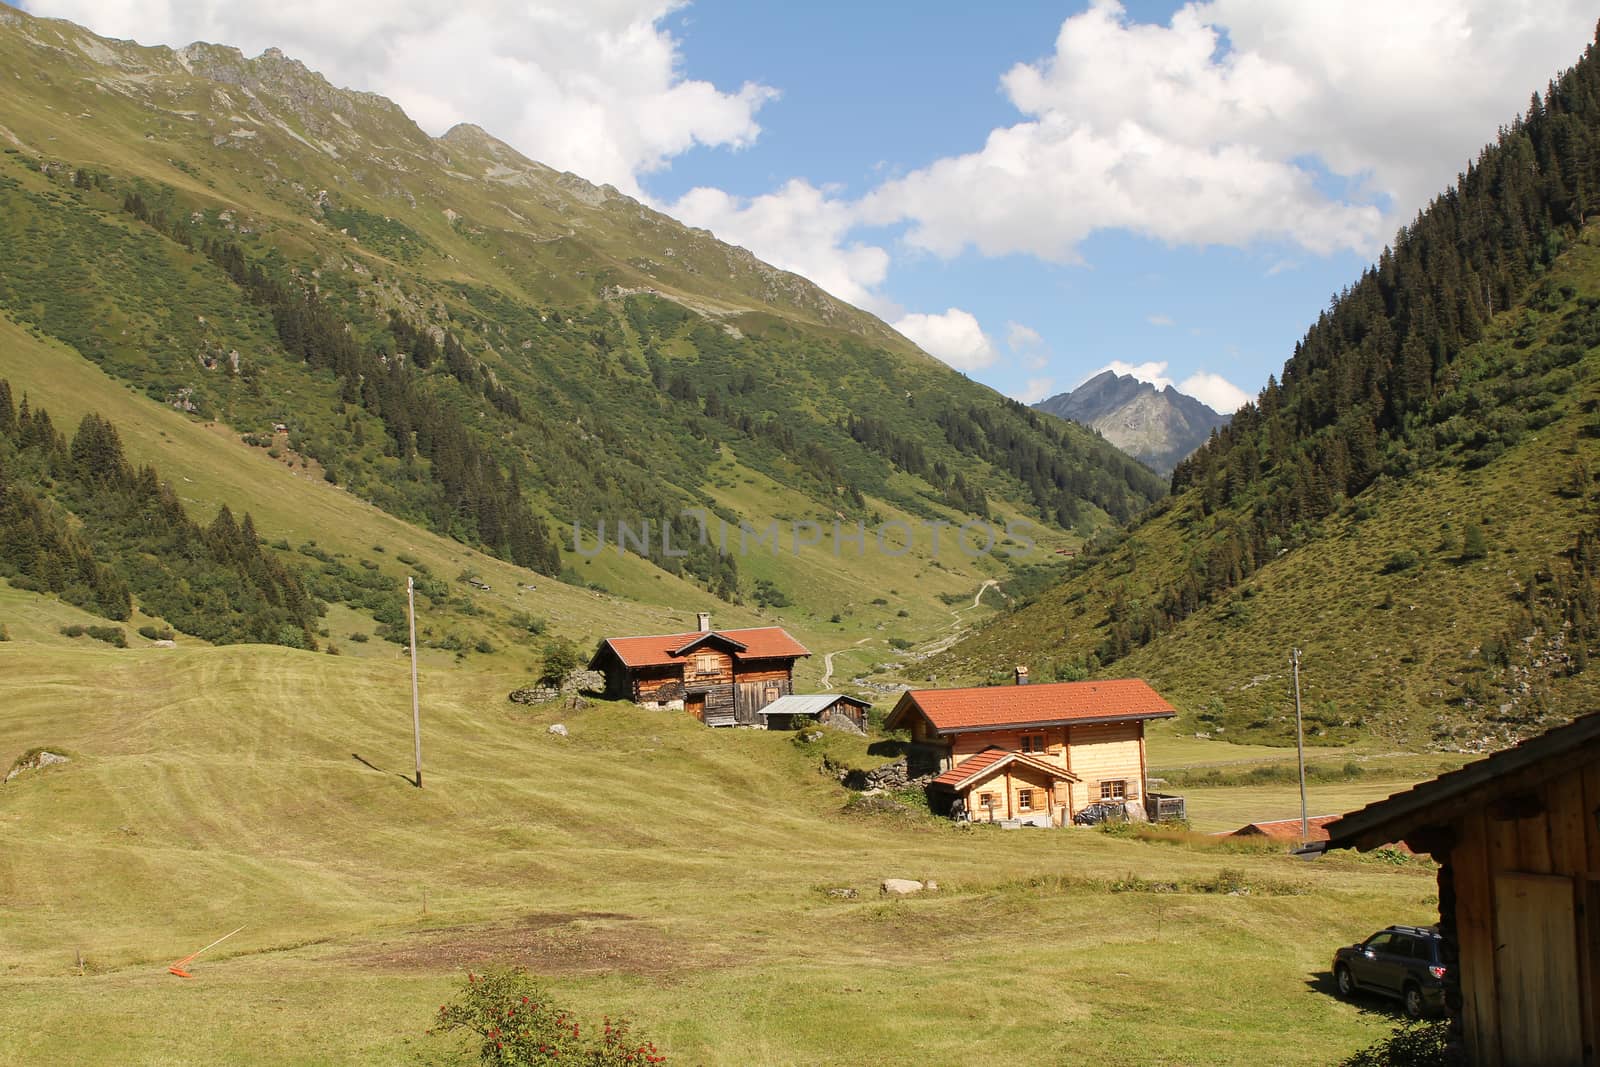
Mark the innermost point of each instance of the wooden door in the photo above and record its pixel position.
(695, 703)
(1536, 970)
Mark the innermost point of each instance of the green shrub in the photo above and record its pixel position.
(360, 638)
(511, 1020)
(111, 635)
(1473, 544)
(484, 646)
(561, 658)
(532, 624)
(899, 644)
(75, 630)
(1404, 560)
(153, 633)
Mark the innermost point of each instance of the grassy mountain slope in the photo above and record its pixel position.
(1414, 506)
(240, 239)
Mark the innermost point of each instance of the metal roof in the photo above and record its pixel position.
(809, 704)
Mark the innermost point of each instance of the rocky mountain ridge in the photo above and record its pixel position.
(1158, 427)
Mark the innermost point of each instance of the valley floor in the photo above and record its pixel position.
(644, 865)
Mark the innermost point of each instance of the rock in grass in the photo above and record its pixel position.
(900, 887)
(558, 728)
(33, 761)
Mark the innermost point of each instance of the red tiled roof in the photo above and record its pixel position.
(658, 650)
(1287, 828)
(992, 761)
(988, 707)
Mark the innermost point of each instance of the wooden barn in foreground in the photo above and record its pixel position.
(721, 677)
(1517, 837)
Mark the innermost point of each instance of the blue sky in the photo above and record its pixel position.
(1030, 191)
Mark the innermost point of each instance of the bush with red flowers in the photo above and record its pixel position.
(513, 1023)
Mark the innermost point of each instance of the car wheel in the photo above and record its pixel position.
(1346, 983)
(1415, 1009)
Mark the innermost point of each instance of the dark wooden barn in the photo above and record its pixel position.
(1517, 837)
(721, 677)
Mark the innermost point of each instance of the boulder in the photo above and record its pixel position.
(899, 887)
(584, 682)
(1135, 810)
(843, 894)
(557, 728)
(34, 761)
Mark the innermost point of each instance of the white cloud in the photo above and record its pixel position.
(1035, 390)
(799, 228)
(1020, 338)
(595, 87)
(1199, 131)
(1215, 391)
(954, 337)
(1160, 320)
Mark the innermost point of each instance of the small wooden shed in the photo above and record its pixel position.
(1517, 837)
(828, 709)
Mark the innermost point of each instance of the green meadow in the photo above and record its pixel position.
(643, 864)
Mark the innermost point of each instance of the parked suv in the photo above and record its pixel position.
(1401, 962)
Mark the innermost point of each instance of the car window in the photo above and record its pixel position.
(1401, 945)
(1380, 942)
(1423, 948)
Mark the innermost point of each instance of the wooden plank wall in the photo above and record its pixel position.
(1109, 751)
(1564, 840)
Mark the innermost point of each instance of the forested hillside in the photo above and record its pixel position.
(1439, 420)
(476, 343)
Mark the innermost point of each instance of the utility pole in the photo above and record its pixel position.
(416, 704)
(1299, 746)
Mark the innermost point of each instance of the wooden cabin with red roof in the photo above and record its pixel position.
(721, 677)
(1031, 753)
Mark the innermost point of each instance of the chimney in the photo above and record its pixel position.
(704, 618)
(1022, 675)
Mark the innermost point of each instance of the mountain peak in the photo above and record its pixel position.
(1158, 427)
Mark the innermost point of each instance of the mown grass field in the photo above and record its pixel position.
(644, 864)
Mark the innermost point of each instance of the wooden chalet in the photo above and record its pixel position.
(1517, 837)
(1031, 753)
(721, 677)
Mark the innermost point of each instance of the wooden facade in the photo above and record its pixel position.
(721, 677)
(1092, 733)
(1517, 837)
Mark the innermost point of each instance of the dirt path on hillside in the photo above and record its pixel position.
(827, 662)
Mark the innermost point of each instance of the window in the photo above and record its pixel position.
(1024, 800)
(1114, 790)
(1033, 743)
(987, 801)
(705, 663)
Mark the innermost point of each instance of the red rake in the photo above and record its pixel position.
(177, 968)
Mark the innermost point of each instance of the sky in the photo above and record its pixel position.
(1033, 192)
